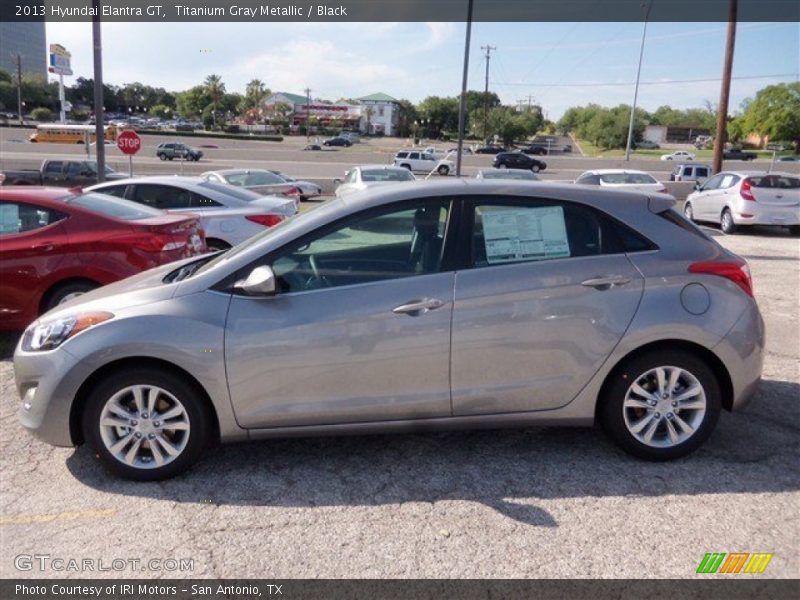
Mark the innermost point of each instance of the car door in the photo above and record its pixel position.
(359, 329)
(703, 202)
(31, 242)
(722, 196)
(53, 173)
(548, 294)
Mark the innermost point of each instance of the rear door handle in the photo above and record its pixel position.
(418, 307)
(43, 247)
(605, 282)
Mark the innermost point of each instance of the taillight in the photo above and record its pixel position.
(295, 191)
(735, 270)
(745, 190)
(265, 220)
(150, 242)
(662, 190)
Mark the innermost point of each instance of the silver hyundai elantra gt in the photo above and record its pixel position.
(413, 306)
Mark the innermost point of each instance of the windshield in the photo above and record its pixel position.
(627, 178)
(111, 206)
(231, 191)
(371, 175)
(510, 174)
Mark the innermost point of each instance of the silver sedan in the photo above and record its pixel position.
(413, 306)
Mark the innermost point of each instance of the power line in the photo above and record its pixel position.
(666, 82)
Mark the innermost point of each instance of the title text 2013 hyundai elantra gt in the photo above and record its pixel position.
(413, 306)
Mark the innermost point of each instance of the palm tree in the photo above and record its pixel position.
(254, 93)
(215, 89)
(369, 112)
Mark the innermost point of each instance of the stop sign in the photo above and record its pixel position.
(129, 142)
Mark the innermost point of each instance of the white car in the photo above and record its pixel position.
(260, 181)
(679, 155)
(365, 176)
(421, 161)
(622, 179)
(229, 215)
(734, 199)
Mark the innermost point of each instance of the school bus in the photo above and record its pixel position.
(70, 134)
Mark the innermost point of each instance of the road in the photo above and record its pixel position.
(552, 502)
(320, 167)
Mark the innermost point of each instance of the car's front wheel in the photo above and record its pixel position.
(162, 156)
(536, 168)
(688, 211)
(146, 424)
(443, 170)
(661, 405)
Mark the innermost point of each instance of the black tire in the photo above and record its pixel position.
(611, 411)
(59, 293)
(726, 223)
(794, 230)
(194, 404)
(406, 166)
(688, 212)
(443, 170)
(162, 156)
(536, 168)
(215, 245)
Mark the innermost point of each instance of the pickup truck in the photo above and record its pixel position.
(738, 154)
(61, 173)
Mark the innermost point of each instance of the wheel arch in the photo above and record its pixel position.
(84, 391)
(54, 287)
(712, 360)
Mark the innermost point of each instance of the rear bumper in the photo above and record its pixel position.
(742, 352)
(767, 215)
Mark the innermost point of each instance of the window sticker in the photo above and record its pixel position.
(531, 233)
(9, 218)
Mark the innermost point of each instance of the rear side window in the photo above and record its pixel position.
(534, 230)
(162, 196)
(115, 190)
(627, 178)
(402, 155)
(18, 217)
(54, 166)
(701, 172)
(589, 180)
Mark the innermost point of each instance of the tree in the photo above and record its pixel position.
(5, 76)
(193, 101)
(42, 114)
(254, 94)
(406, 116)
(215, 90)
(439, 114)
(369, 112)
(775, 113)
(161, 111)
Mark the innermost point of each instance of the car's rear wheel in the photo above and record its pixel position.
(535, 168)
(406, 166)
(162, 156)
(688, 211)
(66, 292)
(146, 424)
(661, 405)
(443, 170)
(726, 222)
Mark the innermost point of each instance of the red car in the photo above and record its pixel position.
(55, 244)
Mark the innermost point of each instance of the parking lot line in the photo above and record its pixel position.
(62, 516)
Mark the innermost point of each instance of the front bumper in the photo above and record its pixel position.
(47, 383)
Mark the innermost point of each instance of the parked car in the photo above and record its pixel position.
(338, 141)
(691, 172)
(789, 159)
(173, 150)
(490, 149)
(229, 215)
(536, 149)
(56, 245)
(307, 189)
(518, 174)
(448, 303)
(414, 160)
(259, 181)
(679, 155)
(737, 199)
(517, 160)
(61, 173)
(623, 179)
(646, 145)
(353, 136)
(313, 147)
(738, 154)
(362, 177)
(465, 150)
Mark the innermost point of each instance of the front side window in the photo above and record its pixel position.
(54, 167)
(713, 183)
(395, 242)
(536, 230)
(18, 217)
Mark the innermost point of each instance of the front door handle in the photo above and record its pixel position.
(606, 282)
(418, 307)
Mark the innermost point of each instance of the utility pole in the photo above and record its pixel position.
(462, 106)
(636, 88)
(486, 90)
(725, 90)
(19, 88)
(99, 110)
(308, 114)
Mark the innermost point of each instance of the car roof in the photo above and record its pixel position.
(615, 171)
(237, 171)
(757, 173)
(387, 167)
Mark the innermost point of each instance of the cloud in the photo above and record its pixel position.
(438, 34)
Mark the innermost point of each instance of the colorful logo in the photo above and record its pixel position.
(735, 562)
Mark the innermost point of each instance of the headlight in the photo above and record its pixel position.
(51, 334)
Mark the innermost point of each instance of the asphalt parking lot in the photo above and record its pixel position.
(552, 502)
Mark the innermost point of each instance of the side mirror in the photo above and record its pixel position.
(260, 282)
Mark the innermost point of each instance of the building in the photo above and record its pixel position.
(675, 135)
(380, 114)
(29, 41)
(323, 114)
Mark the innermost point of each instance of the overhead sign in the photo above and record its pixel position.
(129, 142)
(59, 60)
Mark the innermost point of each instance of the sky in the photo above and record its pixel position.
(557, 64)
